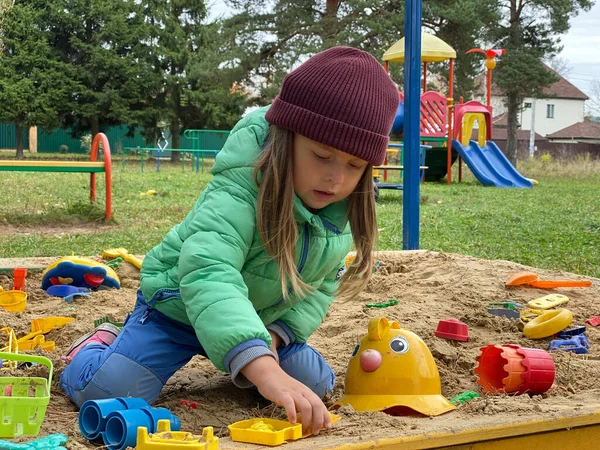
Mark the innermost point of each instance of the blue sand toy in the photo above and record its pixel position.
(50, 442)
(67, 291)
(121, 426)
(504, 312)
(116, 420)
(80, 272)
(93, 414)
(572, 332)
(578, 344)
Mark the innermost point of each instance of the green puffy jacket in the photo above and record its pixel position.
(212, 272)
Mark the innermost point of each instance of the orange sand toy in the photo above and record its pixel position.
(532, 280)
(512, 369)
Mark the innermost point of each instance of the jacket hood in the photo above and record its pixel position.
(254, 129)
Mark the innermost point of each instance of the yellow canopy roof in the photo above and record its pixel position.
(433, 49)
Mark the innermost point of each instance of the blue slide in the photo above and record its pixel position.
(490, 166)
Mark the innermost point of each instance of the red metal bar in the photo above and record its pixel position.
(450, 120)
(385, 172)
(489, 100)
(424, 77)
(93, 158)
(101, 137)
(489, 88)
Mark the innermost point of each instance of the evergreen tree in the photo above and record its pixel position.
(188, 60)
(176, 33)
(530, 32)
(106, 43)
(214, 97)
(35, 85)
(270, 38)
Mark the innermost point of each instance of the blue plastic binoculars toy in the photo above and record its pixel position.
(116, 420)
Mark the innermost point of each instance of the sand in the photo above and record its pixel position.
(429, 287)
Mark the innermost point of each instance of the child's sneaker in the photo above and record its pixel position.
(104, 333)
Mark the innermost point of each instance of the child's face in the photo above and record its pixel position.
(322, 174)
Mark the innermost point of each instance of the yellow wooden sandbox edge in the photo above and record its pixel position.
(578, 432)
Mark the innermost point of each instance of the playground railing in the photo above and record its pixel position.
(197, 156)
(397, 149)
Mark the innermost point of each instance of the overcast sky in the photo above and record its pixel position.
(581, 44)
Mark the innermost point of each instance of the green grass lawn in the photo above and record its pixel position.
(554, 225)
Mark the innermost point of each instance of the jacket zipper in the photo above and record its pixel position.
(331, 227)
(302, 260)
(304, 249)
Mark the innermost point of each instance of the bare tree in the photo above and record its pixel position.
(592, 106)
(560, 66)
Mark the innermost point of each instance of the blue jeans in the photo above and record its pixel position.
(151, 347)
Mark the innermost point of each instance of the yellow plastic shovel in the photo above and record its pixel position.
(113, 253)
(38, 341)
(45, 325)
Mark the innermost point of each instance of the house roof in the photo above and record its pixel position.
(581, 130)
(560, 89)
(500, 134)
(500, 120)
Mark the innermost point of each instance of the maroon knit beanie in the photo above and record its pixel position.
(341, 97)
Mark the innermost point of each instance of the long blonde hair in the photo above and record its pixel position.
(277, 227)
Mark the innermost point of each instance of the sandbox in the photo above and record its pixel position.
(429, 287)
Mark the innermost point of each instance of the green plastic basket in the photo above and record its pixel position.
(22, 413)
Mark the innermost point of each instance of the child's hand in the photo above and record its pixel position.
(276, 385)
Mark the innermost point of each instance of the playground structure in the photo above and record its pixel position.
(93, 166)
(446, 128)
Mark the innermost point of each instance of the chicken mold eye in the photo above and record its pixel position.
(399, 345)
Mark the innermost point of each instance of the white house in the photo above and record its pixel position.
(561, 107)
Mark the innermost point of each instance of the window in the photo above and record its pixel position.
(550, 111)
(527, 105)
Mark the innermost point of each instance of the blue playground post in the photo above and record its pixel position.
(412, 108)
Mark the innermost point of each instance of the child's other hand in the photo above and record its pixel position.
(275, 385)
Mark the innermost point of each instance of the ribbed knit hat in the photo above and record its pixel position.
(341, 97)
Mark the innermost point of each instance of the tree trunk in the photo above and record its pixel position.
(513, 100)
(95, 125)
(511, 132)
(174, 128)
(330, 23)
(19, 133)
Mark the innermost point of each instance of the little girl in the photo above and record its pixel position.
(250, 273)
